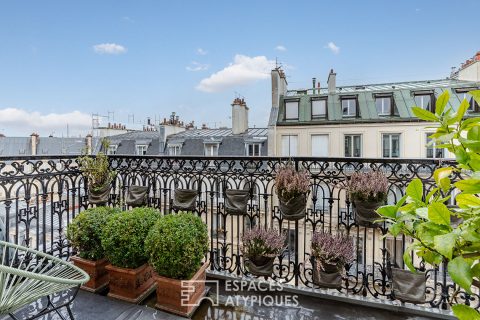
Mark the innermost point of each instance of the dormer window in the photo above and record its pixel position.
(291, 110)
(349, 106)
(463, 94)
(385, 105)
(112, 149)
(319, 108)
(424, 100)
(141, 149)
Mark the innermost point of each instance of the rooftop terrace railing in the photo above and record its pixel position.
(39, 196)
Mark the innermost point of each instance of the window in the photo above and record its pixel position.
(141, 149)
(174, 149)
(211, 150)
(112, 149)
(384, 105)
(395, 251)
(474, 107)
(360, 248)
(289, 243)
(349, 107)
(254, 149)
(319, 145)
(353, 145)
(424, 101)
(289, 146)
(432, 151)
(291, 110)
(391, 145)
(319, 108)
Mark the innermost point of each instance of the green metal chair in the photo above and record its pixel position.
(27, 275)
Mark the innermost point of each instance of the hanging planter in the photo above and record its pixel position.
(365, 213)
(260, 266)
(184, 199)
(99, 196)
(330, 277)
(408, 286)
(293, 209)
(136, 196)
(236, 201)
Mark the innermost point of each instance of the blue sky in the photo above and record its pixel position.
(60, 61)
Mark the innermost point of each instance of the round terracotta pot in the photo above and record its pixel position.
(294, 209)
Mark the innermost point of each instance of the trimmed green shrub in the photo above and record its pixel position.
(84, 232)
(176, 245)
(124, 235)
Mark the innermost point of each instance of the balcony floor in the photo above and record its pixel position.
(89, 306)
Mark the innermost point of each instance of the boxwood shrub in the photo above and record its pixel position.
(176, 245)
(85, 230)
(124, 235)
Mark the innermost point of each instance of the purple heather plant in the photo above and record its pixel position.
(290, 183)
(369, 186)
(262, 242)
(332, 249)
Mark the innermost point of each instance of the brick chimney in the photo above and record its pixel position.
(34, 140)
(332, 82)
(239, 116)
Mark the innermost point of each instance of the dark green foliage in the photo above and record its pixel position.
(84, 232)
(176, 245)
(124, 236)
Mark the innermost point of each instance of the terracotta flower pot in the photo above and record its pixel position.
(181, 297)
(132, 285)
(294, 209)
(96, 270)
(236, 201)
(99, 197)
(408, 286)
(331, 277)
(136, 196)
(365, 214)
(260, 266)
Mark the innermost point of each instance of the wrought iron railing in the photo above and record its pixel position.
(39, 196)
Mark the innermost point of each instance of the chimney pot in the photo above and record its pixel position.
(332, 82)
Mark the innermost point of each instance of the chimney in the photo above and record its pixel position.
(239, 116)
(148, 121)
(314, 81)
(89, 144)
(332, 82)
(34, 140)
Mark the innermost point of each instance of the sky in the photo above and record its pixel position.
(62, 61)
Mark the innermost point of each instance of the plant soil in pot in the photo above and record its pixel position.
(365, 214)
(176, 246)
(100, 196)
(331, 277)
(260, 266)
(184, 199)
(294, 209)
(136, 196)
(408, 286)
(236, 201)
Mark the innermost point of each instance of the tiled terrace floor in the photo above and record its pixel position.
(88, 306)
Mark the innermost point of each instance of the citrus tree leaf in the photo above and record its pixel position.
(441, 102)
(415, 189)
(424, 114)
(460, 272)
(463, 312)
(439, 213)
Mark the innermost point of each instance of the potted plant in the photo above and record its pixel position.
(99, 176)
(330, 254)
(84, 234)
(368, 191)
(260, 247)
(176, 246)
(123, 237)
(292, 188)
(408, 286)
(236, 201)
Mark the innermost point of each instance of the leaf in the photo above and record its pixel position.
(445, 243)
(396, 228)
(461, 110)
(476, 95)
(474, 134)
(407, 258)
(441, 102)
(469, 123)
(463, 312)
(442, 173)
(476, 270)
(469, 185)
(467, 200)
(415, 189)
(389, 211)
(439, 213)
(422, 212)
(424, 114)
(460, 272)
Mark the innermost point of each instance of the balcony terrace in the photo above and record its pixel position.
(39, 196)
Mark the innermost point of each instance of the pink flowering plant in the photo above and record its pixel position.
(371, 186)
(331, 249)
(260, 242)
(290, 183)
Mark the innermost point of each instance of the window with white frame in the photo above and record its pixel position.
(349, 107)
(141, 149)
(391, 145)
(289, 145)
(424, 101)
(319, 143)
(353, 145)
(319, 108)
(291, 110)
(384, 105)
(211, 149)
(395, 251)
(112, 149)
(432, 151)
(254, 149)
(174, 149)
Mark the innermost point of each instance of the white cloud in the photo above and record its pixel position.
(109, 48)
(201, 52)
(280, 48)
(333, 47)
(14, 119)
(197, 66)
(244, 70)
